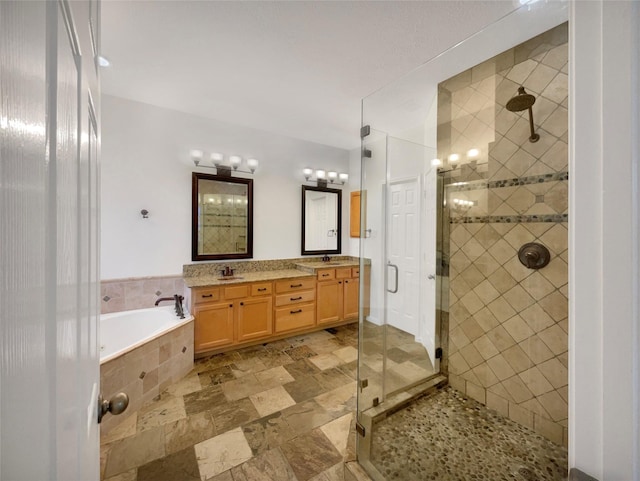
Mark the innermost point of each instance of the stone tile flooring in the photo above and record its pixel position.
(449, 437)
(280, 411)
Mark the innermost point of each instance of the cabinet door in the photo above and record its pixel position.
(350, 300)
(329, 301)
(254, 318)
(213, 326)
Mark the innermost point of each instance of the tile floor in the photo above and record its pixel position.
(280, 411)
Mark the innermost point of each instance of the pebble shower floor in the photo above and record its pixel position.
(447, 437)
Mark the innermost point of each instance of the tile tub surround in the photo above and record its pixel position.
(137, 293)
(508, 341)
(272, 412)
(145, 372)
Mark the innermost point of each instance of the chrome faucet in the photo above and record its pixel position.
(177, 298)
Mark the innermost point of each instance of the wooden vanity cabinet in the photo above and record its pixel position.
(337, 294)
(254, 315)
(295, 305)
(214, 319)
(229, 315)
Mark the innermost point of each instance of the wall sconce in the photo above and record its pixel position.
(216, 161)
(323, 178)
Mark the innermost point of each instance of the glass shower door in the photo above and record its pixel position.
(398, 332)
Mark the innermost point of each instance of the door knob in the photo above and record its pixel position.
(116, 405)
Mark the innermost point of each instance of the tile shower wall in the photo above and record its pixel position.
(508, 324)
(137, 293)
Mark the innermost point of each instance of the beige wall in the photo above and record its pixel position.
(508, 338)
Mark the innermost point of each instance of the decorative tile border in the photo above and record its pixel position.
(510, 219)
(494, 184)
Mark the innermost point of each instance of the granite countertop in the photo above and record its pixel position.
(241, 277)
(313, 267)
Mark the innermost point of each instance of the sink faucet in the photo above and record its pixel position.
(177, 298)
(326, 258)
(226, 272)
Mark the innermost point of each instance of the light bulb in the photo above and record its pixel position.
(332, 175)
(473, 153)
(454, 158)
(252, 164)
(343, 177)
(320, 174)
(235, 161)
(196, 156)
(307, 173)
(216, 158)
(436, 162)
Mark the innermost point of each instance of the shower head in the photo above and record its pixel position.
(520, 102)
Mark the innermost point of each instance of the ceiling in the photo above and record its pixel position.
(295, 68)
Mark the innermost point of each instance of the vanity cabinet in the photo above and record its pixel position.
(229, 315)
(337, 295)
(295, 305)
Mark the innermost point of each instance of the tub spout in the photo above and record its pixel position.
(164, 299)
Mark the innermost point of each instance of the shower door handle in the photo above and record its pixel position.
(389, 264)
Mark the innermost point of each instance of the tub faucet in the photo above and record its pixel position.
(179, 310)
(177, 298)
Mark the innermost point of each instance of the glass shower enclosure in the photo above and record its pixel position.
(464, 333)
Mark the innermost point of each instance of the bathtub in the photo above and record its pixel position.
(142, 352)
(121, 332)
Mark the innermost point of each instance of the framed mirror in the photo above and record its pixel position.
(221, 217)
(321, 220)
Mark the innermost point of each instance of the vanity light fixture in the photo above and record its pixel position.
(323, 177)
(217, 162)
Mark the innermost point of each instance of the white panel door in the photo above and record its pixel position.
(403, 266)
(49, 141)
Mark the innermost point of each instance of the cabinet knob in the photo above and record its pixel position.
(242, 303)
(207, 295)
(230, 305)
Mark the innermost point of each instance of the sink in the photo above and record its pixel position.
(230, 278)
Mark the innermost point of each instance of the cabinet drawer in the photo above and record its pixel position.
(202, 295)
(326, 274)
(355, 272)
(261, 288)
(295, 298)
(343, 273)
(294, 317)
(294, 285)
(236, 292)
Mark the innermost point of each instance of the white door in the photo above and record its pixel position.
(49, 376)
(403, 257)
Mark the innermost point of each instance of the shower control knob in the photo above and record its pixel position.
(534, 255)
(116, 405)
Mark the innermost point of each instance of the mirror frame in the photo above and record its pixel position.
(195, 256)
(338, 250)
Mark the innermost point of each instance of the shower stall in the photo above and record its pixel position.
(463, 350)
